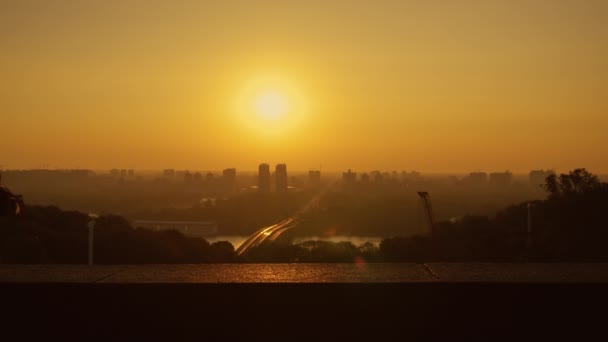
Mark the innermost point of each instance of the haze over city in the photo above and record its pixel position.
(391, 85)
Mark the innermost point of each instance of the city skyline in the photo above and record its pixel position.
(221, 171)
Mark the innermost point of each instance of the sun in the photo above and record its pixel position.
(270, 105)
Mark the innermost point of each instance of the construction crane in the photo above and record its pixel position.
(428, 208)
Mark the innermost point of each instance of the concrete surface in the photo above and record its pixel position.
(309, 273)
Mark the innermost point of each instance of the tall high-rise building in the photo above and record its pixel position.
(209, 177)
(378, 177)
(169, 173)
(187, 177)
(280, 175)
(314, 178)
(349, 177)
(476, 179)
(229, 180)
(537, 177)
(264, 178)
(365, 178)
(501, 179)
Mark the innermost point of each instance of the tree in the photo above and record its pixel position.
(579, 181)
(222, 251)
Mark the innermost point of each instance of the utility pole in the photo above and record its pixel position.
(426, 201)
(91, 226)
(529, 230)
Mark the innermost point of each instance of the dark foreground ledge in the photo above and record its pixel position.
(309, 273)
(318, 302)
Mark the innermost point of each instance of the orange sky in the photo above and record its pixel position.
(436, 86)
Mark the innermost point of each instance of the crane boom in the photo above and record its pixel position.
(428, 208)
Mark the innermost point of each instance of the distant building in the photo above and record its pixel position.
(386, 176)
(365, 178)
(264, 178)
(477, 178)
(411, 177)
(229, 174)
(209, 177)
(378, 176)
(187, 177)
(538, 177)
(501, 179)
(349, 177)
(280, 175)
(169, 173)
(115, 173)
(229, 179)
(131, 173)
(80, 173)
(197, 178)
(314, 178)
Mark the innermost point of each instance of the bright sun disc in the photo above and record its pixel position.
(270, 105)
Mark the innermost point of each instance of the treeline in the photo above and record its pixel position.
(50, 235)
(570, 225)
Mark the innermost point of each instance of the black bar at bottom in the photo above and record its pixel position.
(314, 311)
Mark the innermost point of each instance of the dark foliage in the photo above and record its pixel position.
(50, 235)
(571, 225)
(313, 251)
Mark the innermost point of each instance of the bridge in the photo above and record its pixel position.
(273, 232)
(270, 233)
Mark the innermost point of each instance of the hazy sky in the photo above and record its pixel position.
(427, 85)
